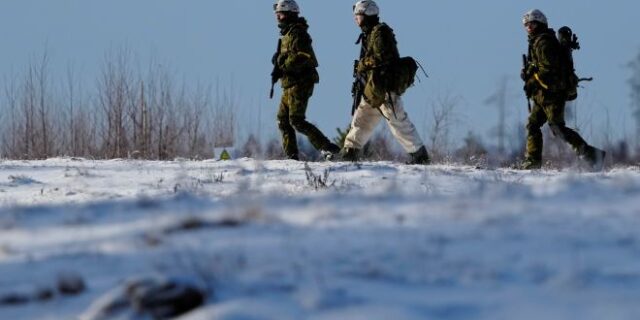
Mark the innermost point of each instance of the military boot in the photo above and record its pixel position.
(350, 154)
(531, 164)
(594, 157)
(330, 152)
(419, 157)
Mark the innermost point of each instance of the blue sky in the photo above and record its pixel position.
(466, 46)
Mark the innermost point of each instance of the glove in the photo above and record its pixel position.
(362, 67)
(523, 74)
(282, 59)
(274, 59)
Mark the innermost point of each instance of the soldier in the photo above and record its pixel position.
(379, 52)
(544, 84)
(295, 66)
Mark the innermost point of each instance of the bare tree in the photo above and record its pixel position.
(131, 113)
(499, 100)
(31, 104)
(251, 148)
(10, 124)
(115, 99)
(196, 139)
(444, 117)
(224, 118)
(634, 82)
(77, 133)
(44, 106)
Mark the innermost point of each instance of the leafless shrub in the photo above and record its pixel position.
(318, 182)
(251, 148)
(146, 115)
(444, 118)
(473, 152)
(224, 120)
(634, 83)
(30, 134)
(213, 177)
(499, 100)
(115, 96)
(273, 150)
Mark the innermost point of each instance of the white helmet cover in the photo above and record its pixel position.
(534, 15)
(286, 6)
(366, 7)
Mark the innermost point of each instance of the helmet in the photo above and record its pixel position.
(366, 7)
(286, 6)
(534, 15)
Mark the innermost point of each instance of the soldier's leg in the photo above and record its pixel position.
(364, 122)
(289, 142)
(555, 114)
(298, 103)
(401, 127)
(537, 119)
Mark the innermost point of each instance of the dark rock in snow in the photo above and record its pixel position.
(155, 298)
(12, 299)
(44, 294)
(70, 284)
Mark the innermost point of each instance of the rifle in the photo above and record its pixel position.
(357, 89)
(525, 67)
(276, 74)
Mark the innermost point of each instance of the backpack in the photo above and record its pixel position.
(570, 81)
(403, 74)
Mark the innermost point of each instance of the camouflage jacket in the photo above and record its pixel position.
(379, 52)
(380, 48)
(544, 62)
(297, 60)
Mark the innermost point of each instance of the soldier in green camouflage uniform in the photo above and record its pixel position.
(380, 100)
(544, 84)
(295, 65)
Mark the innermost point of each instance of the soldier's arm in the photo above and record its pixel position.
(300, 57)
(548, 65)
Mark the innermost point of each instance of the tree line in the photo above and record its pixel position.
(144, 113)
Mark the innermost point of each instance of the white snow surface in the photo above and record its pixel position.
(378, 241)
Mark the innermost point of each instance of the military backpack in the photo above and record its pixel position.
(403, 74)
(570, 80)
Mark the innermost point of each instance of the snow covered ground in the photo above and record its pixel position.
(273, 240)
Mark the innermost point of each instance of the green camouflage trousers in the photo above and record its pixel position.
(291, 118)
(550, 109)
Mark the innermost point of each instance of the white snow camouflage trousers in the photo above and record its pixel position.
(366, 118)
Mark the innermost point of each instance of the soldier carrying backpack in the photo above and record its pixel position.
(549, 81)
(383, 77)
